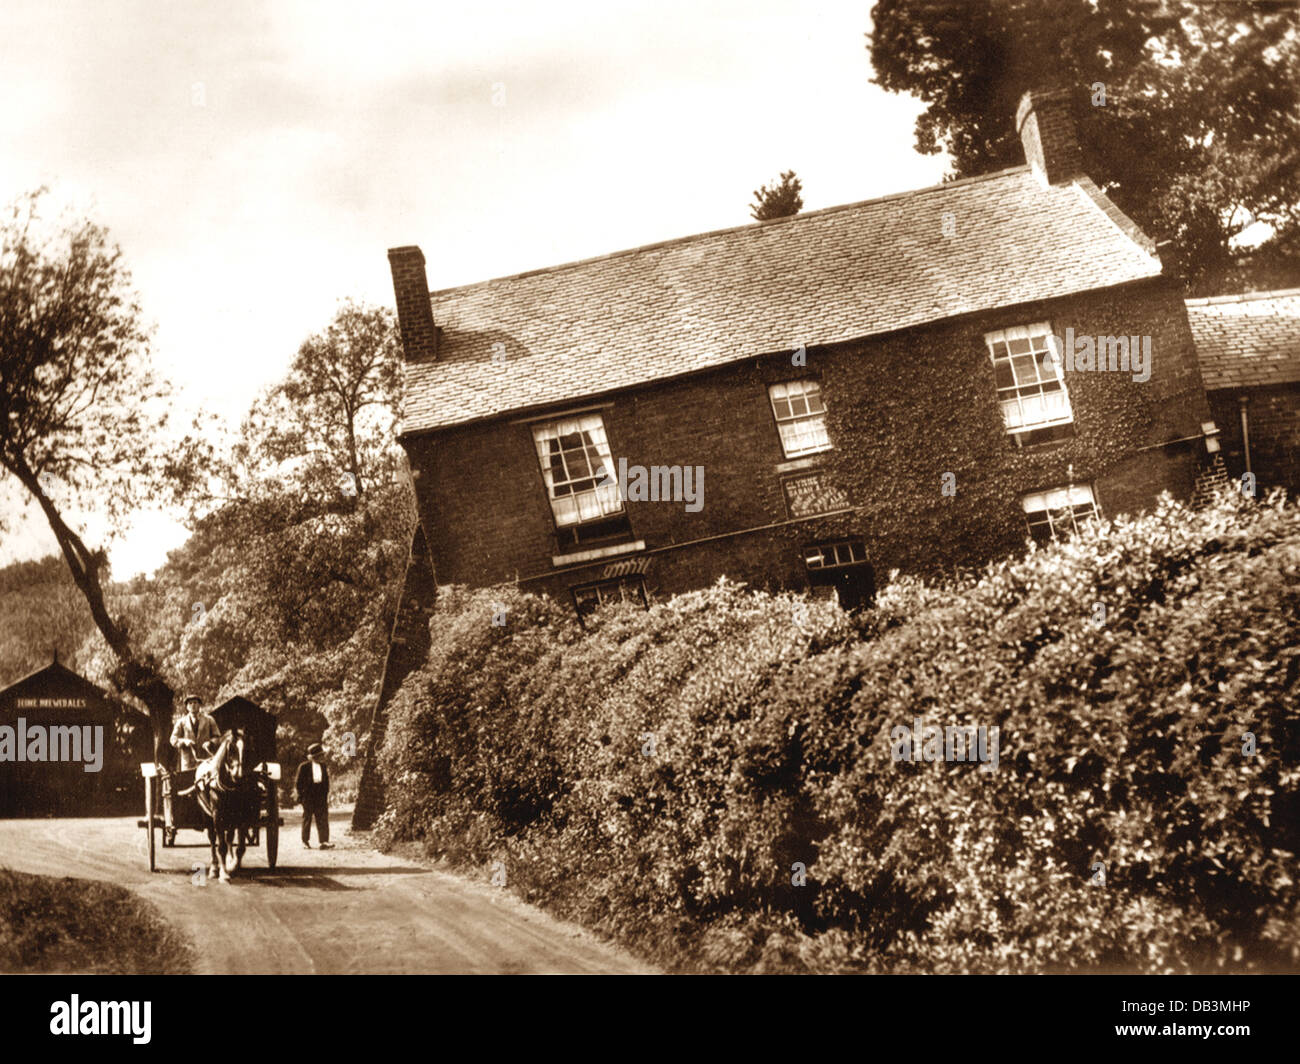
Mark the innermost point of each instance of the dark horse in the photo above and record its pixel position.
(231, 799)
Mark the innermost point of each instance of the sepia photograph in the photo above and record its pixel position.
(698, 489)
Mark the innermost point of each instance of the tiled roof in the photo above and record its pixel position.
(1248, 340)
(579, 330)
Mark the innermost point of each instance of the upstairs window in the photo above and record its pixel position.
(1031, 386)
(1059, 512)
(800, 417)
(580, 480)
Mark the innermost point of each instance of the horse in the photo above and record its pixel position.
(231, 799)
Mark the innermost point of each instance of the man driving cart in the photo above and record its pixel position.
(192, 733)
(194, 737)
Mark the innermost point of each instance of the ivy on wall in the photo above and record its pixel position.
(903, 410)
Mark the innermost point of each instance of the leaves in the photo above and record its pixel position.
(1199, 136)
(298, 599)
(340, 400)
(772, 716)
(781, 200)
(81, 411)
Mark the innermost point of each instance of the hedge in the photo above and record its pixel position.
(714, 780)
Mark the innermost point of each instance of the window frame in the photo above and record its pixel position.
(793, 419)
(614, 526)
(1056, 529)
(850, 545)
(851, 575)
(626, 581)
(1048, 428)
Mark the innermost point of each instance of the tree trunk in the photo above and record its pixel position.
(133, 676)
(353, 466)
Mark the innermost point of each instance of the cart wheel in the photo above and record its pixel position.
(149, 820)
(272, 825)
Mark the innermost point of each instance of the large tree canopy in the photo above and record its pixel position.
(81, 411)
(1188, 113)
(340, 397)
(325, 430)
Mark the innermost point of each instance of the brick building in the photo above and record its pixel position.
(1249, 350)
(869, 387)
(828, 375)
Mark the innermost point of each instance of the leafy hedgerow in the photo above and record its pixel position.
(659, 775)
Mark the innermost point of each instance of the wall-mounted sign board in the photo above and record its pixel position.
(809, 494)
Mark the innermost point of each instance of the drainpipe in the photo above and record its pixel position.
(1245, 431)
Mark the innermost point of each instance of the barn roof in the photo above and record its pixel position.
(669, 309)
(50, 678)
(1247, 340)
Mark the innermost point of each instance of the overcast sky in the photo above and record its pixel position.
(255, 159)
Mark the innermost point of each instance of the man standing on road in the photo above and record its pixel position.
(313, 787)
(192, 731)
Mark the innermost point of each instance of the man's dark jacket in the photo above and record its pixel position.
(312, 794)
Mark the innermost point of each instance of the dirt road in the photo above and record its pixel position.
(349, 910)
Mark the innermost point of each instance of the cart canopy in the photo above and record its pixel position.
(258, 725)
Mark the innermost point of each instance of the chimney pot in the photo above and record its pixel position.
(1047, 131)
(414, 311)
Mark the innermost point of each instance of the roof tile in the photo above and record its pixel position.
(1248, 340)
(652, 313)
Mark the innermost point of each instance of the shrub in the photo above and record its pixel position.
(659, 775)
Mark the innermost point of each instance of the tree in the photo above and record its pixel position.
(326, 429)
(337, 405)
(284, 592)
(780, 200)
(80, 408)
(1187, 113)
(284, 600)
(41, 612)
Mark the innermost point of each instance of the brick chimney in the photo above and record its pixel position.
(1046, 127)
(414, 311)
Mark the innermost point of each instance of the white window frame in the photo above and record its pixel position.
(577, 495)
(1033, 400)
(1060, 510)
(801, 427)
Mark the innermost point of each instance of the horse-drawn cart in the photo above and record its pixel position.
(171, 804)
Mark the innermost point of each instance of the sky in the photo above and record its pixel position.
(255, 160)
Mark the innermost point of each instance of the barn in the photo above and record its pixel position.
(61, 748)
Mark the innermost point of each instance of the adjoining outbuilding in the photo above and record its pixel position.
(1249, 351)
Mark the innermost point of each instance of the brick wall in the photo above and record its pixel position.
(1047, 131)
(1273, 415)
(414, 312)
(902, 410)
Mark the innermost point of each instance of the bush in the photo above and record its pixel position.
(660, 776)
